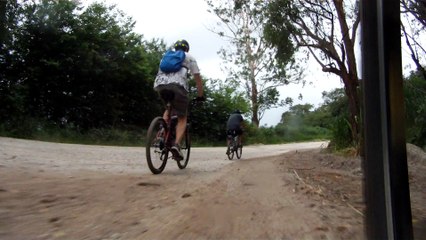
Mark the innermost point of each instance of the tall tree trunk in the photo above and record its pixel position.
(351, 90)
(252, 77)
(349, 74)
(254, 103)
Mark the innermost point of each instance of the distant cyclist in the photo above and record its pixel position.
(234, 126)
(177, 82)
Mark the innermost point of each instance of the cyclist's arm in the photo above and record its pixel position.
(199, 84)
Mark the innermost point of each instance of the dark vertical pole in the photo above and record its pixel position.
(374, 185)
(386, 188)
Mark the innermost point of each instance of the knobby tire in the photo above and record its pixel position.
(156, 153)
(230, 150)
(185, 149)
(239, 149)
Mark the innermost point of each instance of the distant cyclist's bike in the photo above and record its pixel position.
(233, 147)
(161, 136)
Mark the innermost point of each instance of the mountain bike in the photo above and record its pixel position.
(233, 147)
(160, 138)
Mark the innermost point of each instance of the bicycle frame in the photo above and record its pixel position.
(161, 136)
(233, 146)
(233, 141)
(169, 128)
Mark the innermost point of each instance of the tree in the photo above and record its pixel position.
(413, 26)
(79, 67)
(301, 122)
(2, 21)
(326, 30)
(46, 45)
(296, 114)
(417, 8)
(11, 89)
(209, 121)
(252, 62)
(335, 104)
(415, 105)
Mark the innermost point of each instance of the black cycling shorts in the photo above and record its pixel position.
(234, 132)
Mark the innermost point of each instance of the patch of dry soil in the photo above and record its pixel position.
(301, 194)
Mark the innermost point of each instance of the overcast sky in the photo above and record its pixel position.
(171, 20)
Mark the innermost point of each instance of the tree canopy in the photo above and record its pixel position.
(252, 61)
(415, 105)
(327, 31)
(84, 67)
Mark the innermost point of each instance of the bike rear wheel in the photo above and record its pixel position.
(156, 151)
(185, 148)
(230, 150)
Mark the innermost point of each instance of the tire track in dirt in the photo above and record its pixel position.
(89, 192)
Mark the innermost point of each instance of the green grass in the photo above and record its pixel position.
(35, 130)
(135, 136)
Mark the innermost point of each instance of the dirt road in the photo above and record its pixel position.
(66, 191)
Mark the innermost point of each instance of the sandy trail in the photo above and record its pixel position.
(68, 191)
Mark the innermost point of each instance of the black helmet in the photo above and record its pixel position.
(182, 45)
(237, 111)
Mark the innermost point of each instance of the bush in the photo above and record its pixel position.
(284, 134)
(25, 128)
(36, 129)
(341, 134)
(415, 106)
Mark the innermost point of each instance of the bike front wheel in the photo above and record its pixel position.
(238, 148)
(185, 149)
(239, 151)
(156, 151)
(230, 151)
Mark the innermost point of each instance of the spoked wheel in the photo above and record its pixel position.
(185, 149)
(230, 151)
(238, 148)
(239, 151)
(156, 152)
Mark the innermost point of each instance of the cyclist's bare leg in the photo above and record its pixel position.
(227, 139)
(166, 115)
(180, 128)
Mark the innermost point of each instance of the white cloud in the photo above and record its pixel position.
(171, 20)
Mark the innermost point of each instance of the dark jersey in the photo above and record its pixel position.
(234, 121)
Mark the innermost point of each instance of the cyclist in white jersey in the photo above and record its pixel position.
(177, 82)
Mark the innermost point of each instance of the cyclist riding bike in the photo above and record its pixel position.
(177, 83)
(234, 126)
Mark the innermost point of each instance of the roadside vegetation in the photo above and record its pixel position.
(78, 74)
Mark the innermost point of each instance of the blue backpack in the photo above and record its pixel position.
(172, 61)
